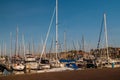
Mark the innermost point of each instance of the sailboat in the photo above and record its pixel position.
(2, 56)
(56, 63)
(17, 64)
(30, 59)
(30, 62)
(106, 61)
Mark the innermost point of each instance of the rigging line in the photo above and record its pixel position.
(51, 47)
(47, 34)
(100, 34)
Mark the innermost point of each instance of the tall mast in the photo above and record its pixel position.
(78, 47)
(83, 47)
(29, 48)
(10, 44)
(4, 49)
(56, 28)
(16, 53)
(32, 45)
(23, 44)
(65, 48)
(20, 49)
(106, 36)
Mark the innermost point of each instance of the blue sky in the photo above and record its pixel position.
(76, 17)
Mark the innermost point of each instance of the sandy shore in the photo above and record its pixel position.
(90, 74)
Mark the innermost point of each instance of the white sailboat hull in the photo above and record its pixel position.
(18, 67)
